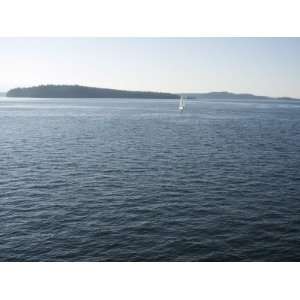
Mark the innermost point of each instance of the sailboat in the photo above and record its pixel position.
(181, 104)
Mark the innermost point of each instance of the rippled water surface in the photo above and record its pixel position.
(135, 180)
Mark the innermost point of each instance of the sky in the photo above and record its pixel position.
(262, 66)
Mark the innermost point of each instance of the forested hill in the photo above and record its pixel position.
(230, 96)
(77, 91)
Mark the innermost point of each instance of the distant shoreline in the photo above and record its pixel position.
(232, 96)
(77, 91)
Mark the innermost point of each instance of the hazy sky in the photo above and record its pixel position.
(266, 66)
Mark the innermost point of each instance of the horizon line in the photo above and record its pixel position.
(175, 93)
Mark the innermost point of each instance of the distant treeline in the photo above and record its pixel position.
(77, 91)
(231, 96)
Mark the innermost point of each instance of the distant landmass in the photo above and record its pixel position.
(77, 91)
(228, 95)
(2, 94)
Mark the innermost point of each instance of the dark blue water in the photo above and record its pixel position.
(135, 180)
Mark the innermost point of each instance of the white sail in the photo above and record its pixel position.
(181, 104)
